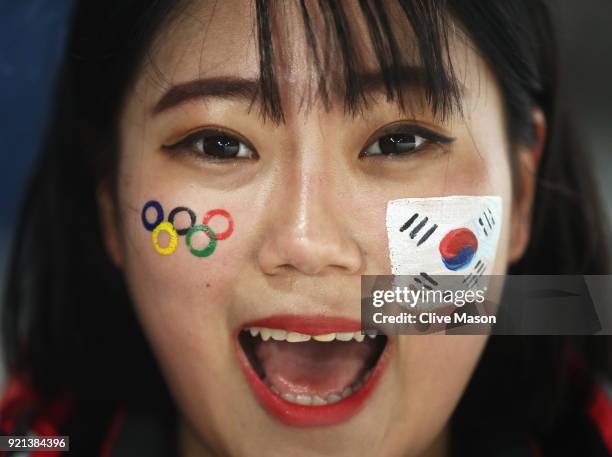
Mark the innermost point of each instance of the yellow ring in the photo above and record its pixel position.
(165, 227)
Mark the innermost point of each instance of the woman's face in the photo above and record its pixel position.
(307, 198)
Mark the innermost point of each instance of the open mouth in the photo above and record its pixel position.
(307, 377)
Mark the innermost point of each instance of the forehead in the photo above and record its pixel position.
(207, 39)
(308, 46)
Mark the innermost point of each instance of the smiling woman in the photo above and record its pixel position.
(256, 146)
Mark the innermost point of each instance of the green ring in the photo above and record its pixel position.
(212, 241)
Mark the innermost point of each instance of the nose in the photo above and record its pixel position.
(309, 233)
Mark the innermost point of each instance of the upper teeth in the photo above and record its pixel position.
(294, 337)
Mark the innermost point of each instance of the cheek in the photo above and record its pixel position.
(440, 364)
(465, 173)
(437, 368)
(481, 166)
(200, 260)
(181, 291)
(182, 299)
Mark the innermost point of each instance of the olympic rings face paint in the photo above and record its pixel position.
(181, 209)
(169, 228)
(150, 226)
(212, 242)
(220, 212)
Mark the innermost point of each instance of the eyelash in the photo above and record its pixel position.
(425, 137)
(190, 142)
(422, 138)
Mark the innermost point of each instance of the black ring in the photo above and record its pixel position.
(177, 210)
(160, 214)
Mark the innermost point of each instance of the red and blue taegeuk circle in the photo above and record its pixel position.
(458, 248)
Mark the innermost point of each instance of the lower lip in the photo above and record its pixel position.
(311, 416)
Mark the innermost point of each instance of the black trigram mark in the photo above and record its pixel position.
(485, 220)
(427, 234)
(483, 226)
(472, 279)
(417, 228)
(427, 286)
(409, 222)
(429, 278)
(425, 280)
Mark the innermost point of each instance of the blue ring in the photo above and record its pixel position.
(160, 215)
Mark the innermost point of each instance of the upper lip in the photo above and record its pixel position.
(307, 324)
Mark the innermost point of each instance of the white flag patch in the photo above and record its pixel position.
(455, 235)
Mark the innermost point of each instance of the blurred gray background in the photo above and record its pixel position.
(586, 45)
(32, 35)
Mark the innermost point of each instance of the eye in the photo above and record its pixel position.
(395, 144)
(403, 140)
(215, 145)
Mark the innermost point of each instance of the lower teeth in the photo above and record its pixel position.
(316, 400)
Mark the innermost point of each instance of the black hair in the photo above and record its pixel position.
(68, 322)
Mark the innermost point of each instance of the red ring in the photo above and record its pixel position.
(220, 212)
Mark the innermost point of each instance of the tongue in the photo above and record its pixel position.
(314, 368)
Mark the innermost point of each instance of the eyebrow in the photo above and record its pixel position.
(230, 87)
(221, 87)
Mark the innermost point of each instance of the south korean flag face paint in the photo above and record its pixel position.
(444, 239)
